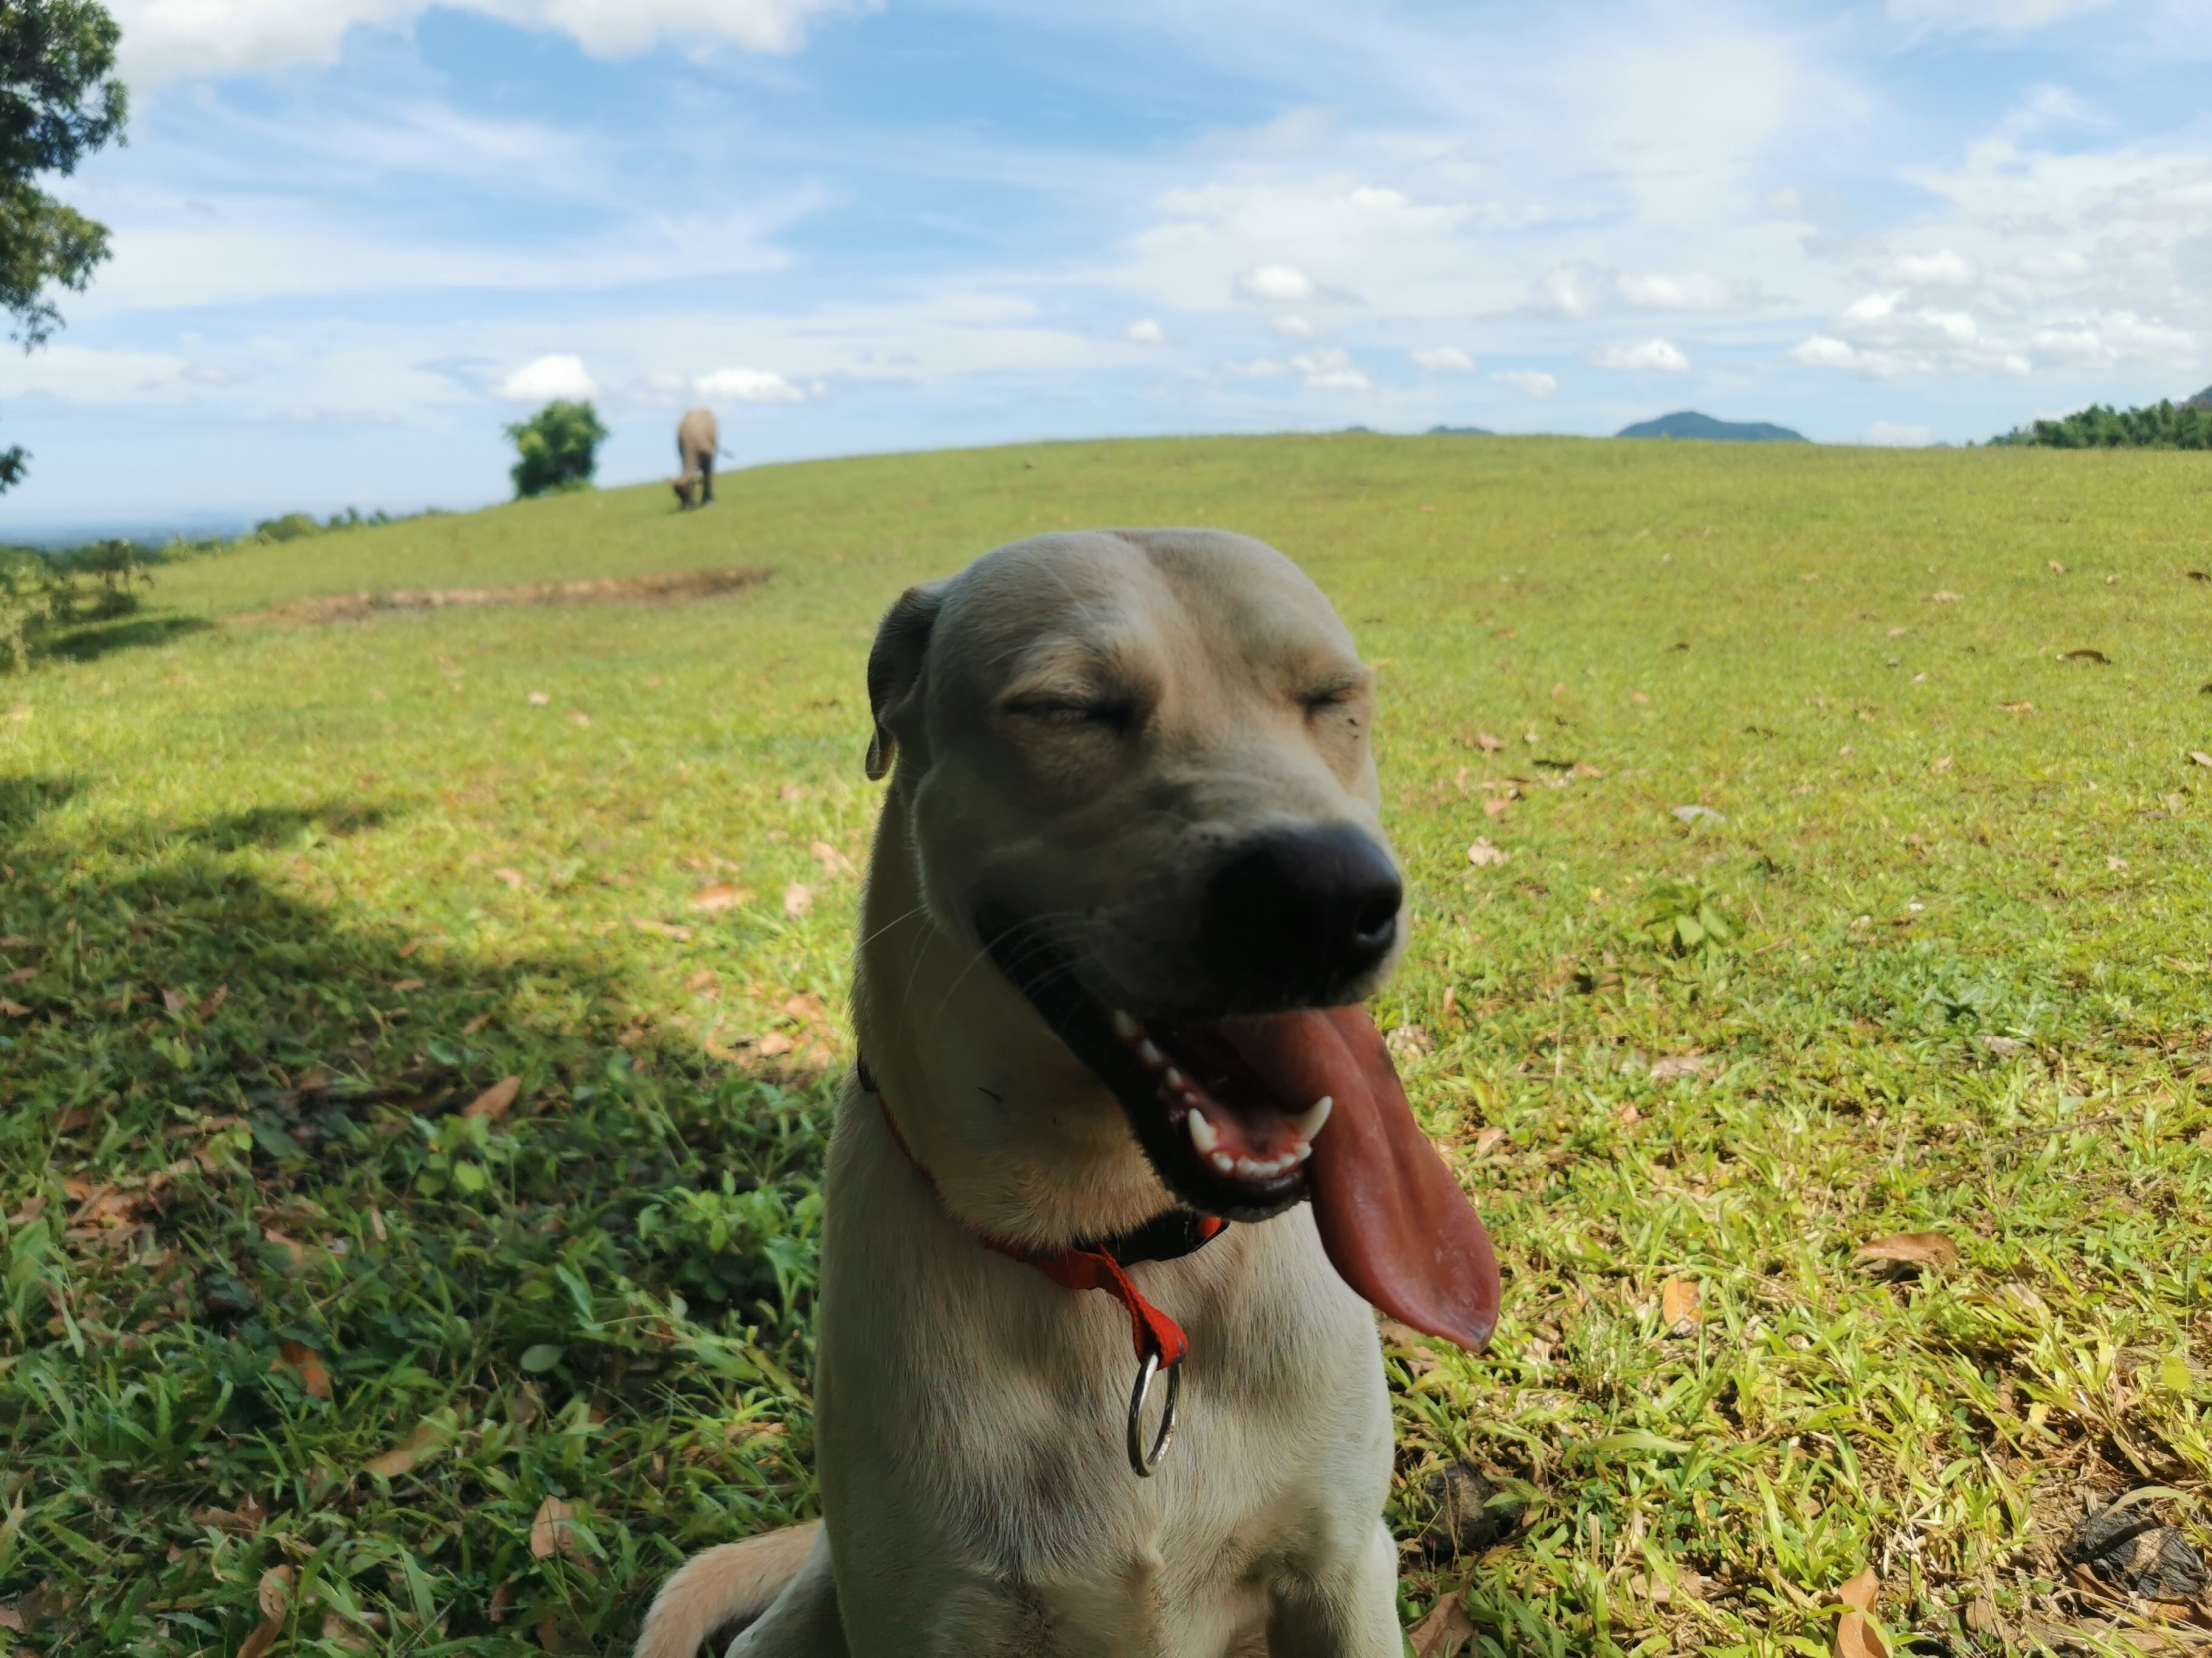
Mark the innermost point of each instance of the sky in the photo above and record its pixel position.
(354, 238)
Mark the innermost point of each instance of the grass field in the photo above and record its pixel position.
(317, 1338)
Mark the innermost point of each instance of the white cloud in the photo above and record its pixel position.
(1330, 370)
(1260, 368)
(175, 40)
(1825, 351)
(1277, 284)
(548, 378)
(1293, 327)
(1652, 354)
(1890, 436)
(1569, 292)
(1146, 331)
(2001, 16)
(749, 385)
(1533, 382)
(1694, 292)
(1939, 270)
(1444, 359)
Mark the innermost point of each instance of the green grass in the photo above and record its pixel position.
(261, 954)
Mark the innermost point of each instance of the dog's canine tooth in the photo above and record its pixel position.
(1173, 1078)
(1203, 1134)
(1153, 1057)
(1125, 1026)
(1303, 1150)
(1311, 1121)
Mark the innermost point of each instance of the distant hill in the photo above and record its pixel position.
(1688, 423)
(1460, 432)
(2202, 400)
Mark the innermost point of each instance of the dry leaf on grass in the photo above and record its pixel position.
(1855, 1637)
(1680, 1308)
(833, 862)
(1444, 1631)
(667, 929)
(175, 1001)
(1487, 1141)
(798, 898)
(775, 1044)
(14, 1010)
(10, 1618)
(1675, 1066)
(424, 1445)
(513, 877)
(2020, 707)
(1943, 595)
(1915, 1249)
(1497, 808)
(553, 1531)
(1483, 855)
(722, 895)
(549, 1529)
(306, 1364)
(539, 699)
(275, 1596)
(1487, 743)
(403, 987)
(21, 976)
(496, 1101)
(2201, 759)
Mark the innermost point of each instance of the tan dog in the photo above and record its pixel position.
(1127, 891)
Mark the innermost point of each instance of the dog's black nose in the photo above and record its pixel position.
(1295, 913)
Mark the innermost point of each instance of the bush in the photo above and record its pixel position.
(2161, 426)
(290, 526)
(42, 594)
(558, 446)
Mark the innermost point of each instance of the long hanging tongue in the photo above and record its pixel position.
(1396, 1225)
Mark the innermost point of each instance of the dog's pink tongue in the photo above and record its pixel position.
(1394, 1223)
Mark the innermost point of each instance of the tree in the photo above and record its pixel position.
(558, 446)
(59, 102)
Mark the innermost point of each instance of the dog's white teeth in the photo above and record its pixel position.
(1190, 1100)
(1222, 1161)
(1305, 1151)
(1314, 1118)
(1173, 1078)
(1154, 1059)
(1203, 1134)
(1249, 1168)
(1125, 1026)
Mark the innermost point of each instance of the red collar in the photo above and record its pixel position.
(1101, 1264)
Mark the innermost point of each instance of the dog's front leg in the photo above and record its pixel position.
(1349, 1611)
(803, 1622)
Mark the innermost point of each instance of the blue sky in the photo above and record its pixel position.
(354, 237)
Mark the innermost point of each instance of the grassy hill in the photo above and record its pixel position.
(294, 1284)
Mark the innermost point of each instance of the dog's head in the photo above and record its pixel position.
(1135, 769)
(1134, 775)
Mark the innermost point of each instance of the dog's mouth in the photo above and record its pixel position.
(1244, 1115)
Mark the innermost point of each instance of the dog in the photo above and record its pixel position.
(1116, 1094)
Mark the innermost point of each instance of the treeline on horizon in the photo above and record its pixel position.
(2163, 425)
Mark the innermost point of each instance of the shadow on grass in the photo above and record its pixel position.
(283, 1253)
(104, 638)
(284, 825)
(25, 800)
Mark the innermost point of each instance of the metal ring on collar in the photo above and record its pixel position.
(1147, 1464)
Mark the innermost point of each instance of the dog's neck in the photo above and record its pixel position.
(1021, 1141)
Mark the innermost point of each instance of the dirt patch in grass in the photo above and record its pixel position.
(353, 607)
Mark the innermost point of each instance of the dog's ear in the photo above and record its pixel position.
(895, 666)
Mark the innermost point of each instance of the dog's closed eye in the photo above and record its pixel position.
(1072, 712)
